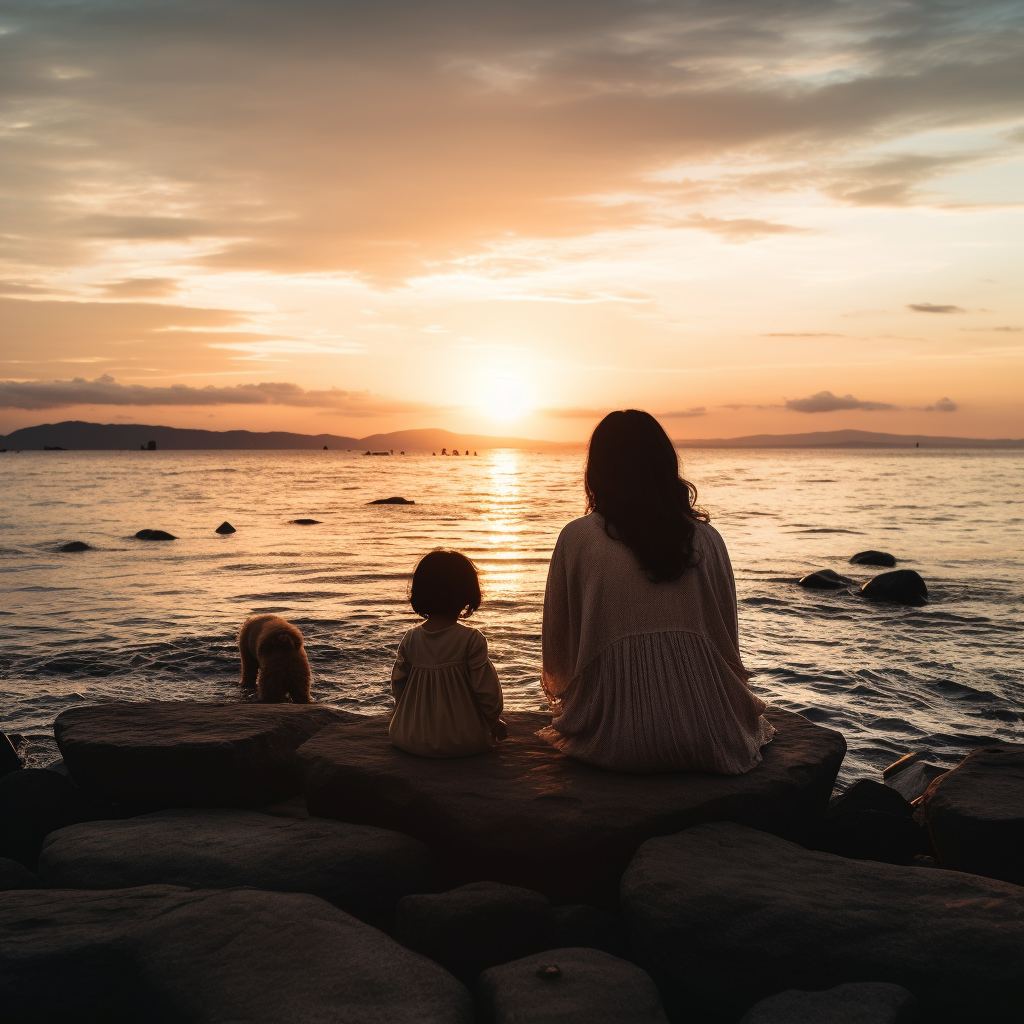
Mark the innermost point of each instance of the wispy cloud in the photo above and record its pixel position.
(825, 401)
(942, 405)
(682, 414)
(930, 307)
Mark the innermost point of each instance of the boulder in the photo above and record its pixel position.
(361, 869)
(14, 875)
(568, 986)
(904, 586)
(859, 1002)
(871, 822)
(306, 522)
(722, 915)
(825, 579)
(154, 535)
(911, 775)
(225, 528)
(882, 558)
(475, 926)
(975, 813)
(75, 545)
(392, 501)
(525, 814)
(159, 953)
(9, 760)
(159, 754)
(579, 925)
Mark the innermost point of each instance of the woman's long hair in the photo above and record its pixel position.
(633, 481)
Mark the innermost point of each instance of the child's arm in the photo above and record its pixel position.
(399, 674)
(484, 680)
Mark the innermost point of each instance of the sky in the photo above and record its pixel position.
(744, 216)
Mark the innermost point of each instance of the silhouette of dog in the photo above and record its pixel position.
(274, 660)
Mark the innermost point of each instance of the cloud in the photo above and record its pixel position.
(573, 413)
(942, 405)
(928, 307)
(141, 288)
(740, 228)
(697, 410)
(106, 391)
(802, 334)
(825, 401)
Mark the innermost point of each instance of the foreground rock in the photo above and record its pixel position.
(75, 545)
(722, 916)
(864, 1002)
(526, 815)
(154, 535)
(363, 870)
(825, 579)
(159, 754)
(391, 501)
(870, 821)
(882, 558)
(164, 954)
(904, 586)
(14, 875)
(975, 813)
(9, 760)
(568, 986)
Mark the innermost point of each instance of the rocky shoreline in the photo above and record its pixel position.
(213, 862)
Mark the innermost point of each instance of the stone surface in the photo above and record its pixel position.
(159, 754)
(154, 535)
(975, 813)
(590, 987)
(859, 1002)
(306, 522)
(361, 869)
(75, 545)
(161, 954)
(870, 821)
(527, 815)
(882, 558)
(14, 875)
(911, 775)
(722, 916)
(9, 760)
(824, 579)
(391, 501)
(475, 926)
(580, 925)
(904, 586)
(225, 528)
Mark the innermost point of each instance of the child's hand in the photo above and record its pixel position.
(499, 731)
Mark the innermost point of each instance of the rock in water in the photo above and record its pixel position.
(975, 813)
(904, 586)
(225, 527)
(33, 803)
(911, 775)
(859, 1002)
(160, 754)
(588, 987)
(391, 501)
(526, 815)
(700, 904)
(154, 535)
(306, 522)
(871, 822)
(75, 545)
(882, 558)
(9, 760)
(825, 579)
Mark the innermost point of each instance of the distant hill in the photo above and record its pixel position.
(848, 439)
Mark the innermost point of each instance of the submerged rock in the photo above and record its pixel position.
(75, 545)
(858, 1002)
(825, 579)
(724, 915)
(306, 522)
(525, 814)
(911, 775)
(975, 813)
(904, 586)
(391, 501)
(225, 528)
(33, 803)
(882, 558)
(154, 535)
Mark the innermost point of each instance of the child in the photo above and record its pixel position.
(447, 695)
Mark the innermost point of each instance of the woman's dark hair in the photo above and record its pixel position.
(633, 481)
(445, 583)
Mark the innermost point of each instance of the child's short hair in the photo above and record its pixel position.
(445, 583)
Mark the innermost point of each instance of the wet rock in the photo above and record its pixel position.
(581, 926)
(391, 501)
(904, 586)
(911, 775)
(882, 558)
(360, 869)
(157, 754)
(722, 916)
(75, 545)
(306, 522)
(975, 813)
(473, 927)
(589, 987)
(825, 579)
(525, 814)
(154, 535)
(9, 760)
(225, 528)
(14, 875)
(33, 803)
(159, 953)
(859, 1002)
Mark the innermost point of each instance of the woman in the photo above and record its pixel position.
(641, 662)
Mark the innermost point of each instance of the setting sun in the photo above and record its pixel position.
(505, 397)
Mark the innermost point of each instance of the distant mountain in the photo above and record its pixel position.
(848, 439)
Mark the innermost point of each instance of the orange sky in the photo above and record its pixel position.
(744, 216)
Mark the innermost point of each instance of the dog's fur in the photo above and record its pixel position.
(274, 660)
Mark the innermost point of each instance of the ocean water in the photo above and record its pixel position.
(134, 619)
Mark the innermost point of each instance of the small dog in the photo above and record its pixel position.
(274, 660)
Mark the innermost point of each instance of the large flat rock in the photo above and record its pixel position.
(160, 954)
(159, 754)
(361, 869)
(723, 916)
(527, 815)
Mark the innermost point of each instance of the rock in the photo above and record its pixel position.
(14, 875)
(582, 926)
(882, 558)
(975, 813)
(473, 927)
(57, 765)
(182, 754)
(33, 803)
(159, 953)
(9, 760)
(910, 776)
(75, 545)
(859, 1002)
(225, 528)
(306, 522)
(361, 869)
(825, 579)
(904, 586)
(154, 535)
(392, 501)
(589, 987)
(525, 814)
(722, 916)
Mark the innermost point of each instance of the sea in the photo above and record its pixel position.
(138, 620)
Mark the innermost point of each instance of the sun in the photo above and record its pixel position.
(505, 397)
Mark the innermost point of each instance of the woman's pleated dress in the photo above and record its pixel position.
(642, 676)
